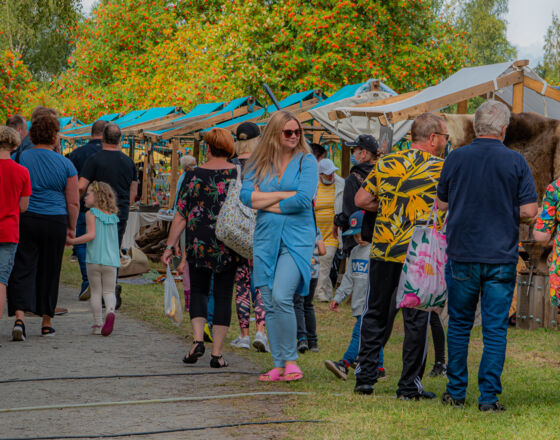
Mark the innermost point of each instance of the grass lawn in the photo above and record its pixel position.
(531, 393)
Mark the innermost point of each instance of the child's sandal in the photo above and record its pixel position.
(292, 372)
(273, 375)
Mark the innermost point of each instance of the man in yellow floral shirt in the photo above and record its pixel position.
(402, 189)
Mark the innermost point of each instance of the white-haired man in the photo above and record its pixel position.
(488, 189)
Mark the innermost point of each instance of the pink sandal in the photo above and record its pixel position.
(292, 372)
(273, 375)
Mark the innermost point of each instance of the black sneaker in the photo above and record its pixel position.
(302, 345)
(118, 290)
(446, 399)
(493, 407)
(381, 373)
(418, 396)
(339, 369)
(363, 388)
(18, 333)
(313, 347)
(438, 370)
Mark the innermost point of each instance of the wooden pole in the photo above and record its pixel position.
(196, 149)
(345, 161)
(145, 174)
(517, 104)
(316, 133)
(462, 107)
(174, 172)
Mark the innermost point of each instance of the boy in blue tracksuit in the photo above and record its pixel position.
(355, 282)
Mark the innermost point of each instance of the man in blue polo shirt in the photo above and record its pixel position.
(488, 190)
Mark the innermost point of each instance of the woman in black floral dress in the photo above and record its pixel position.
(203, 192)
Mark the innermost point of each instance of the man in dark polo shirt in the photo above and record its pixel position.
(114, 167)
(79, 157)
(488, 190)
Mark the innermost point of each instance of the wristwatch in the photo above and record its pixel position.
(169, 248)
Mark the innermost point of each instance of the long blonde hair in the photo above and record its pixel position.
(105, 199)
(265, 160)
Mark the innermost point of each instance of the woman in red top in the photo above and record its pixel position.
(15, 189)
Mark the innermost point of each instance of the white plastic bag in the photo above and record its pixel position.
(172, 301)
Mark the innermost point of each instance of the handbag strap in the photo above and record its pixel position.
(238, 179)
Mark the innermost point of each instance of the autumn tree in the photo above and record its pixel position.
(15, 84)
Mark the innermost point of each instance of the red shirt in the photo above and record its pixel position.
(14, 184)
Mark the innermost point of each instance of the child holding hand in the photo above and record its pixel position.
(102, 253)
(355, 282)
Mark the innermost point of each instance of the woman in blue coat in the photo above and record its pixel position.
(280, 182)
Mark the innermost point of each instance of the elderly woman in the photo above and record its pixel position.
(546, 228)
(49, 220)
(203, 193)
(248, 136)
(280, 181)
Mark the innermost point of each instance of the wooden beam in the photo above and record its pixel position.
(174, 177)
(462, 107)
(151, 122)
(147, 146)
(538, 87)
(445, 101)
(345, 160)
(521, 63)
(196, 150)
(317, 133)
(517, 100)
(333, 114)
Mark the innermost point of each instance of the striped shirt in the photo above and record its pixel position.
(324, 212)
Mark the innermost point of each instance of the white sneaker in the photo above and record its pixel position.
(96, 330)
(261, 343)
(242, 342)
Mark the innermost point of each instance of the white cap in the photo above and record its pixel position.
(327, 167)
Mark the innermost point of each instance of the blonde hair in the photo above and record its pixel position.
(265, 160)
(9, 138)
(243, 146)
(105, 198)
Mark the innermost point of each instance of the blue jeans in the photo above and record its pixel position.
(495, 284)
(353, 348)
(80, 249)
(281, 324)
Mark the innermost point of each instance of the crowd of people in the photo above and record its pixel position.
(308, 220)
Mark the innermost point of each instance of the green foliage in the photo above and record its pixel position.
(485, 31)
(40, 32)
(550, 67)
(15, 84)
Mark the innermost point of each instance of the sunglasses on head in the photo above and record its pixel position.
(290, 133)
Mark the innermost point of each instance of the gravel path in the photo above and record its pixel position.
(134, 348)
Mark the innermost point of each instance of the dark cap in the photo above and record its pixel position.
(365, 141)
(246, 131)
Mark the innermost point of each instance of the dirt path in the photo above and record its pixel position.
(134, 348)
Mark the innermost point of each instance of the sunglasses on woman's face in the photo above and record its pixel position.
(290, 133)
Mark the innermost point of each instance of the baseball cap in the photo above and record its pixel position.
(355, 223)
(247, 130)
(327, 167)
(365, 141)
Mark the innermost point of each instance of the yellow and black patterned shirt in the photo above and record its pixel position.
(405, 184)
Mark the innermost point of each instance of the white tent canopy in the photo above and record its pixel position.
(496, 80)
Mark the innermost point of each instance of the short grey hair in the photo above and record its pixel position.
(187, 161)
(424, 125)
(490, 118)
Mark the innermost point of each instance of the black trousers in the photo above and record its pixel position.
(305, 314)
(438, 335)
(33, 284)
(377, 324)
(223, 292)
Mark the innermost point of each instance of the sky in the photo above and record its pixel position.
(527, 20)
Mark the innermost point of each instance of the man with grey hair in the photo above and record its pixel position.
(114, 167)
(488, 190)
(401, 188)
(18, 123)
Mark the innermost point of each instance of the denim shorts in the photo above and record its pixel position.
(7, 256)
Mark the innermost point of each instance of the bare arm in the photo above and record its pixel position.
(442, 206)
(133, 191)
(543, 237)
(264, 200)
(366, 201)
(72, 202)
(23, 203)
(82, 185)
(528, 212)
(89, 235)
(178, 225)
(322, 248)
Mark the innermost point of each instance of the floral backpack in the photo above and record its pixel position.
(236, 222)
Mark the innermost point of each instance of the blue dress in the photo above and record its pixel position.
(295, 227)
